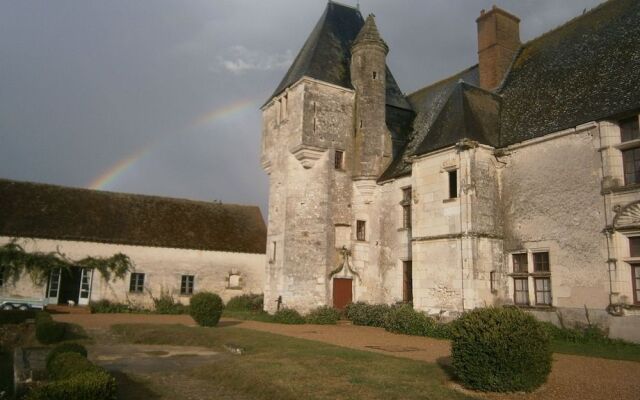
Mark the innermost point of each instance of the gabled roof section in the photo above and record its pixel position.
(326, 54)
(585, 70)
(469, 113)
(427, 103)
(44, 211)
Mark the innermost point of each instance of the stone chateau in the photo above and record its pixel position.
(515, 181)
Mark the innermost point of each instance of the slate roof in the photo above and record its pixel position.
(44, 211)
(427, 103)
(326, 54)
(585, 70)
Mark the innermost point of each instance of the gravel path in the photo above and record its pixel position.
(572, 377)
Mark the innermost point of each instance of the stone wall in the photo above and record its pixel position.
(163, 268)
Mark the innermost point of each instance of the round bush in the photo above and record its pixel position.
(288, 316)
(404, 319)
(94, 385)
(324, 315)
(48, 331)
(65, 348)
(206, 308)
(67, 365)
(500, 350)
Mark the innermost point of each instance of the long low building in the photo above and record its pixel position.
(177, 246)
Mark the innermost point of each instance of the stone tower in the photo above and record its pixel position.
(368, 76)
(324, 143)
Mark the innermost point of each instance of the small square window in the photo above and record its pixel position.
(361, 230)
(634, 246)
(136, 285)
(541, 262)
(520, 263)
(338, 162)
(186, 285)
(629, 129)
(453, 184)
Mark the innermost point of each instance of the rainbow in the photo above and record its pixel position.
(118, 169)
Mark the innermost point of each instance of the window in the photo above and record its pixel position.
(361, 230)
(137, 283)
(635, 274)
(407, 281)
(1, 277)
(541, 262)
(540, 277)
(453, 184)
(520, 264)
(338, 161)
(629, 130)
(186, 285)
(493, 278)
(406, 208)
(634, 246)
(375, 75)
(521, 291)
(273, 251)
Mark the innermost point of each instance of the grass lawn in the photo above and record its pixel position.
(280, 367)
(615, 350)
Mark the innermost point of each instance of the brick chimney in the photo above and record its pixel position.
(498, 41)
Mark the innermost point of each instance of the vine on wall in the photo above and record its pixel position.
(15, 260)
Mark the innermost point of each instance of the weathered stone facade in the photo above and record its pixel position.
(542, 222)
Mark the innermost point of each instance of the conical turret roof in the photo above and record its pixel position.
(369, 34)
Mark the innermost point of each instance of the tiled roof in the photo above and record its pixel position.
(585, 70)
(327, 52)
(55, 212)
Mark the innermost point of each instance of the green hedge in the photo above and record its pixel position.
(15, 316)
(288, 316)
(324, 315)
(88, 385)
(405, 320)
(66, 365)
(47, 330)
(246, 302)
(65, 348)
(206, 308)
(500, 350)
(109, 307)
(367, 314)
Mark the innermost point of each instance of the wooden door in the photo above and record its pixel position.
(342, 290)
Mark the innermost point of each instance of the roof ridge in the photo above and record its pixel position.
(431, 85)
(139, 195)
(344, 5)
(569, 22)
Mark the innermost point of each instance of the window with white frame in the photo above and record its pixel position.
(634, 251)
(186, 285)
(531, 270)
(136, 285)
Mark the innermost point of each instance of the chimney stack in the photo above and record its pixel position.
(498, 42)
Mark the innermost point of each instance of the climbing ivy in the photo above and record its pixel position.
(15, 260)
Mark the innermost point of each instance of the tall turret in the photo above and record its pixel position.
(368, 76)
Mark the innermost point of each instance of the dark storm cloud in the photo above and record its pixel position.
(85, 84)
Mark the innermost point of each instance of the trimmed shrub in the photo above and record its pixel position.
(367, 314)
(405, 320)
(246, 302)
(108, 307)
(66, 365)
(47, 330)
(91, 385)
(15, 316)
(166, 304)
(65, 348)
(206, 308)
(500, 350)
(288, 316)
(324, 315)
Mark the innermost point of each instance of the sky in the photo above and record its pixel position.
(162, 97)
